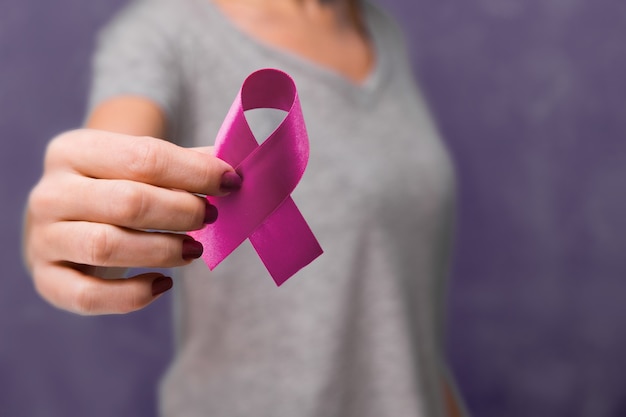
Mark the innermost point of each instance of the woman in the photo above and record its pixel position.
(356, 333)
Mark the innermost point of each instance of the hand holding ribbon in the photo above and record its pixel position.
(262, 210)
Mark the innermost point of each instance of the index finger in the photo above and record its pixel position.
(107, 155)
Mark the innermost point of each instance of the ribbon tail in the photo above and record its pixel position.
(285, 243)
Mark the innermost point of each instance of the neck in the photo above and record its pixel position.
(324, 32)
(339, 12)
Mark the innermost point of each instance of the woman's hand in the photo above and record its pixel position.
(99, 195)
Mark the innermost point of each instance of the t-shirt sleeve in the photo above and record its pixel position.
(136, 54)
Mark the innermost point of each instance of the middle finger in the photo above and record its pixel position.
(130, 204)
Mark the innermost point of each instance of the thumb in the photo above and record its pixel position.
(209, 150)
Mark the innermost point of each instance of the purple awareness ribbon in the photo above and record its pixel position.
(262, 210)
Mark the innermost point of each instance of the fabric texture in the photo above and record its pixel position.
(355, 333)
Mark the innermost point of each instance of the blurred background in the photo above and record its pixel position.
(530, 96)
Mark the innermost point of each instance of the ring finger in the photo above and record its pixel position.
(128, 204)
(100, 244)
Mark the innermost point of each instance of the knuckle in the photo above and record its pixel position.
(166, 251)
(194, 215)
(38, 282)
(58, 146)
(37, 199)
(41, 198)
(211, 175)
(144, 158)
(173, 252)
(100, 246)
(128, 206)
(84, 299)
(31, 252)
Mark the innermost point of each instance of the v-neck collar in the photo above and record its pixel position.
(290, 59)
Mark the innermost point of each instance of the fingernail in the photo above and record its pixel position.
(192, 249)
(230, 182)
(160, 285)
(210, 213)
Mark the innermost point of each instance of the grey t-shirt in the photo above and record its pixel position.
(355, 333)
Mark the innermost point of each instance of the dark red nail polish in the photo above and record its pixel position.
(210, 213)
(230, 182)
(192, 249)
(160, 285)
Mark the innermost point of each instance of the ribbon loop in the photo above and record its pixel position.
(262, 210)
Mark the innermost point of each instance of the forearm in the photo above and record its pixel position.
(130, 115)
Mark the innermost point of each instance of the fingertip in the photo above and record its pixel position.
(231, 181)
(192, 249)
(210, 212)
(161, 285)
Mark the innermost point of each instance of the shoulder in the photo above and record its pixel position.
(149, 10)
(155, 19)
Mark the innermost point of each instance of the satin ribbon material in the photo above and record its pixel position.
(262, 210)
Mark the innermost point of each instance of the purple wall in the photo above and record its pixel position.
(52, 363)
(531, 97)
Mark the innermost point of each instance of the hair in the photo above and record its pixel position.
(356, 14)
(354, 11)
